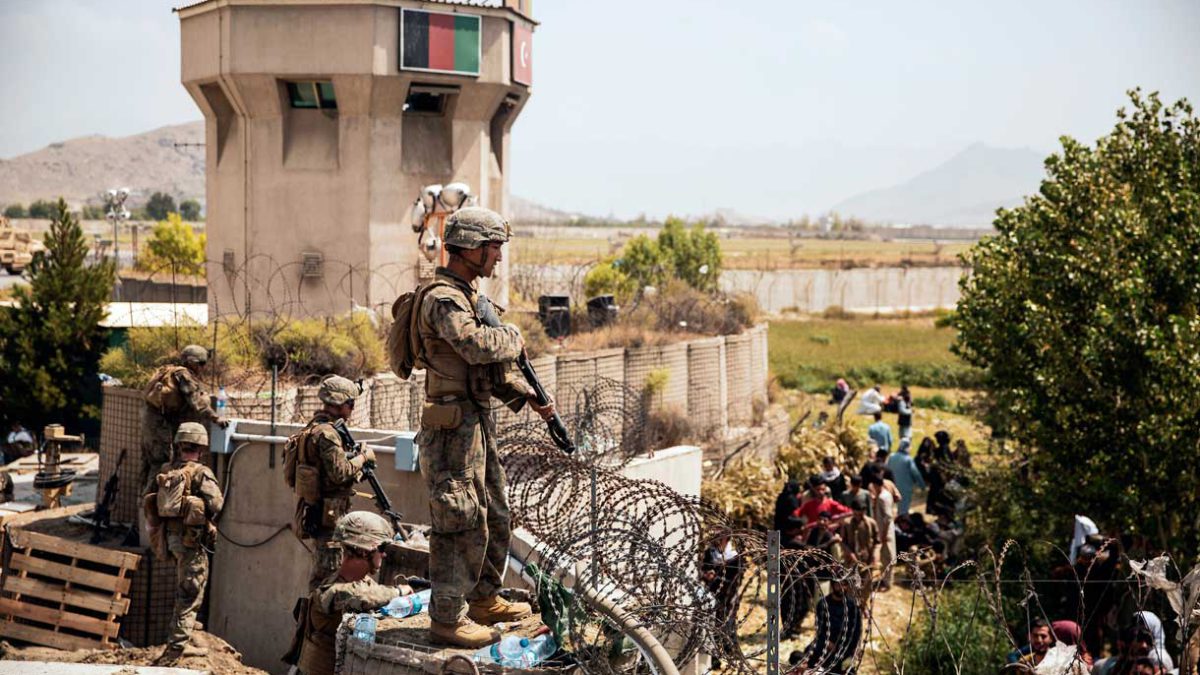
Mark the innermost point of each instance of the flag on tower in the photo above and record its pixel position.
(437, 42)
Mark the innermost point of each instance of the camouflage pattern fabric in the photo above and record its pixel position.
(338, 476)
(191, 577)
(327, 603)
(158, 428)
(468, 546)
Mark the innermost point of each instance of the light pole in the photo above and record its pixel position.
(116, 213)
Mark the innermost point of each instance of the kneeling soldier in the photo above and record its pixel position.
(361, 535)
(180, 513)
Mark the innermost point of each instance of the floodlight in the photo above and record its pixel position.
(429, 197)
(417, 215)
(431, 246)
(125, 214)
(454, 194)
(112, 195)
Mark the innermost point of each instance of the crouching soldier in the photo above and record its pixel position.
(361, 535)
(180, 513)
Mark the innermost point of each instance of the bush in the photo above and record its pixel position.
(667, 428)
(189, 210)
(148, 348)
(745, 492)
(348, 346)
(607, 279)
(15, 211)
(42, 209)
(962, 635)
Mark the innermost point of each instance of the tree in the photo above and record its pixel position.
(15, 211)
(1084, 312)
(159, 205)
(51, 342)
(190, 210)
(173, 246)
(695, 254)
(42, 209)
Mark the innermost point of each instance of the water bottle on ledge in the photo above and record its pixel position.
(222, 402)
(364, 628)
(508, 652)
(407, 605)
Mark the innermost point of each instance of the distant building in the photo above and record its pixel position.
(324, 118)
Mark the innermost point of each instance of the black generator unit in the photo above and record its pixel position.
(555, 314)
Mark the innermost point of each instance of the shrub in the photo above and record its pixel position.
(348, 346)
(667, 428)
(148, 348)
(15, 211)
(962, 635)
(607, 279)
(160, 205)
(189, 210)
(42, 209)
(745, 492)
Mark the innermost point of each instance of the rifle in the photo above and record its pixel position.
(102, 518)
(558, 430)
(368, 472)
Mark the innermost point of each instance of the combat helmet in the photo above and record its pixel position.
(336, 390)
(193, 354)
(362, 530)
(192, 432)
(474, 226)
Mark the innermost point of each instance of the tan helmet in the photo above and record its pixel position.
(474, 226)
(336, 390)
(194, 354)
(192, 432)
(362, 530)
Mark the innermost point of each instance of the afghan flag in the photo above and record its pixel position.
(447, 43)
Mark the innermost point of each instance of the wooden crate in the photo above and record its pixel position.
(62, 593)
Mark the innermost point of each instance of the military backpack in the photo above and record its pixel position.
(404, 341)
(163, 391)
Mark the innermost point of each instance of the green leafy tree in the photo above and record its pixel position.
(42, 209)
(695, 253)
(15, 211)
(51, 342)
(173, 245)
(607, 278)
(159, 205)
(643, 262)
(190, 210)
(1084, 312)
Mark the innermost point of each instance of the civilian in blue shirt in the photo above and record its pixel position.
(881, 433)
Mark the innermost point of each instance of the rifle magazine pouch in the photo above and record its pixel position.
(453, 504)
(298, 520)
(308, 483)
(193, 511)
(441, 416)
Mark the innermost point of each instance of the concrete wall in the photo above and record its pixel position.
(282, 181)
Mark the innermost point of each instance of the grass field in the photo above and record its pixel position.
(811, 354)
(755, 253)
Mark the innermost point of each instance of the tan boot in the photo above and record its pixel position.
(466, 633)
(495, 609)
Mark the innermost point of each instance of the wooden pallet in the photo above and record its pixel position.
(64, 594)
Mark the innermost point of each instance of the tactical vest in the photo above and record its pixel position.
(448, 377)
(174, 501)
(320, 630)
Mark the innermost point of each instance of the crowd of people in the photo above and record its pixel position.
(1140, 648)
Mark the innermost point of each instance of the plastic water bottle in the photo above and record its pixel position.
(407, 605)
(540, 648)
(509, 652)
(364, 628)
(222, 401)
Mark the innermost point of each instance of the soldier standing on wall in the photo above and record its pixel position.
(180, 512)
(466, 364)
(351, 588)
(174, 396)
(319, 470)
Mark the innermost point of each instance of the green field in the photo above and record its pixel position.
(755, 252)
(811, 354)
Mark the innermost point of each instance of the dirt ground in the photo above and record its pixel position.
(221, 659)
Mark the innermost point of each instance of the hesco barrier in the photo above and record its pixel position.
(121, 429)
(665, 361)
(707, 389)
(738, 376)
(714, 381)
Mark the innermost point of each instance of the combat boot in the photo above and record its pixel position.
(495, 609)
(466, 633)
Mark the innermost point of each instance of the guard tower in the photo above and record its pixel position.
(323, 121)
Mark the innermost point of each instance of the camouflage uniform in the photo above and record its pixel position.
(466, 363)
(336, 596)
(337, 478)
(187, 545)
(159, 425)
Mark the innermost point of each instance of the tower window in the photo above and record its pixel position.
(317, 94)
(428, 99)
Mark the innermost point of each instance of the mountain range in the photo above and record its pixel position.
(963, 191)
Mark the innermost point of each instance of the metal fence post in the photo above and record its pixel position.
(773, 602)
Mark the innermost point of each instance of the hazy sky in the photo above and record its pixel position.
(770, 108)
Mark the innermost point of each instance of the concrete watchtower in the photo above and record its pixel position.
(325, 118)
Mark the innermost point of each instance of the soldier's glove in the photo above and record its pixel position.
(364, 458)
